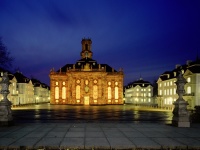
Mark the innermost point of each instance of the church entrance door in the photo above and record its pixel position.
(86, 100)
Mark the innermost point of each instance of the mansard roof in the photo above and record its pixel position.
(193, 66)
(140, 83)
(21, 78)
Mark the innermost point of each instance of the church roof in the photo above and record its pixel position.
(82, 62)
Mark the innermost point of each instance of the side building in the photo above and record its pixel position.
(23, 90)
(139, 92)
(86, 82)
(167, 87)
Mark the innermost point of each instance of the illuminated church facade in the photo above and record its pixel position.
(86, 82)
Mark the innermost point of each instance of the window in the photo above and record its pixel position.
(188, 90)
(160, 92)
(149, 94)
(56, 92)
(109, 93)
(188, 79)
(56, 83)
(78, 92)
(63, 92)
(116, 93)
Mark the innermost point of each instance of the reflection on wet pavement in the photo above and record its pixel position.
(109, 113)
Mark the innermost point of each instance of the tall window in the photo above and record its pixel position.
(95, 92)
(63, 92)
(78, 92)
(56, 92)
(188, 90)
(109, 93)
(116, 93)
(188, 79)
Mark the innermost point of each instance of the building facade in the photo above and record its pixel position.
(86, 82)
(167, 87)
(139, 92)
(24, 91)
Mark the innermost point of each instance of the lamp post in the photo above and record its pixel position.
(5, 105)
(181, 114)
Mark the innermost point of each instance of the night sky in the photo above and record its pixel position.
(144, 37)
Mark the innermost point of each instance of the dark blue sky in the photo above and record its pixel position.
(144, 37)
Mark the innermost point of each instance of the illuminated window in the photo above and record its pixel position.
(116, 93)
(167, 91)
(63, 83)
(188, 79)
(144, 94)
(95, 92)
(78, 92)
(63, 92)
(174, 91)
(149, 94)
(188, 90)
(137, 89)
(56, 92)
(164, 84)
(149, 89)
(144, 89)
(167, 83)
(137, 94)
(160, 84)
(160, 92)
(56, 83)
(170, 82)
(164, 92)
(170, 92)
(149, 100)
(109, 93)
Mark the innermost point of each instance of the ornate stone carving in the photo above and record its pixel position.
(181, 114)
(5, 105)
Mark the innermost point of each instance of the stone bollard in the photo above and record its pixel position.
(181, 116)
(5, 105)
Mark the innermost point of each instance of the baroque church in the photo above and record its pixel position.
(86, 82)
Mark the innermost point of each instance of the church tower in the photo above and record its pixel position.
(86, 48)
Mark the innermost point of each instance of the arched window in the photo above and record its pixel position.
(188, 90)
(78, 92)
(63, 92)
(116, 93)
(56, 92)
(109, 93)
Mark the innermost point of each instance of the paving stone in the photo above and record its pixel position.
(55, 134)
(16, 134)
(27, 143)
(169, 143)
(145, 143)
(114, 134)
(96, 143)
(92, 129)
(75, 134)
(5, 141)
(152, 134)
(36, 134)
(94, 134)
(133, 134)
(76, 129)
(191, 143)
(120, 143)
(60, 129)
(72, 143)
(49, 143)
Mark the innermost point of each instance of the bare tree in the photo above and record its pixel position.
(5, 58)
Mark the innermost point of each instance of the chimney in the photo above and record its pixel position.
(188, 62)
(177, 66)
